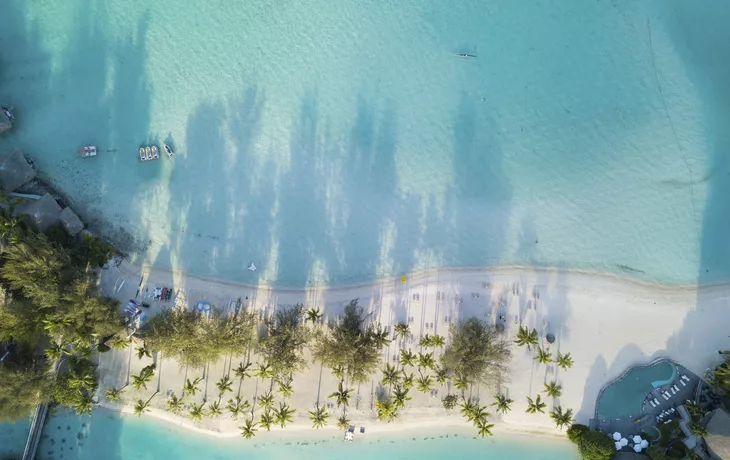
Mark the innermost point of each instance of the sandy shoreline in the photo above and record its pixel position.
(606, 323)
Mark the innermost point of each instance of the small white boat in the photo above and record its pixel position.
(87, 151)
(148, 153)
(168, 150)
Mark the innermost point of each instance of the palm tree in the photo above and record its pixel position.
(535, 406)
(479, 414)
(426, 361)
(560, 417)
(192, 387)
(400, 397)
(526, 337)
(380, 337)
(267, 419)
(196, 412)
(438, 341)
(144, 351)
(502, 403)
(175, 404)
(248, 429)
(285, 388)
(237, 405)
(140, 407)
(264, 371)
(144, 377)
(401, 330)
(698, 429)
(341, 395)
(553, 389)
(543, 356)
(425, 383)
(55, 351)
(313, 315)
(266, 400)
(484, 428)
(284, 415)
(461, 383)
(407, 379)
(390, 375)
(318, 417)
(564, 361)
(387, 410)
(114, 395)
(83, 405)
(426, 341)
(407, 358)
(442, 375)
(242, 372)
(119, 343)
(468, 408)
(214, 410)
(343, 422)
(224, 385)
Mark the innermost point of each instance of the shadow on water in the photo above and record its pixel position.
(702, 40)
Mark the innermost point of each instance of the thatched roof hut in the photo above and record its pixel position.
(15, 170)
(718, 434)
(42, 214)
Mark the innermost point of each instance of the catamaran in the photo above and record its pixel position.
(87, 151)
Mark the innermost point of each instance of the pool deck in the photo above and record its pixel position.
(629, 425)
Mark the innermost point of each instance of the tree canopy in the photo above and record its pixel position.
(282, 343)
(350, 344)
(475, 354)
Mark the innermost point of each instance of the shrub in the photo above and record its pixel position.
(576, 432)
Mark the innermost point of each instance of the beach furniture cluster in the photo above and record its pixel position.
(163, 294)
(87, 151)
(633, 441)
(135, 316)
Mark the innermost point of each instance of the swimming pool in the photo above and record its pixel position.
(626, 396)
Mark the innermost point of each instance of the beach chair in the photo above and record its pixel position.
(652, 403)
(684, 384)
(664, 395)
(673, 392)
(656, 401)
(676, 388)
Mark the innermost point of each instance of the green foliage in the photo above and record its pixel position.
(401, 330)
(143, 351)
(214, 410)
(656, 453)
(543, 357)
(400, 397)
(23, 385)
(342, 395)
(196, 412)
(175, 404)
(237, 405)
(407, 381)
(475, 353)
(484, 428)
(282, 345)
(450, 401)
(114, 394)
(562, 418)
(391, 376)
(720, 380)
(426, 361)
(425, 384)
(698, 429)
(192, 340)
(267, 419)
(224, 385)
(285, 388)
(248, 429)
(75, 386)
(576, 432)
(351, 345)
(266, 400)
(93, 251)
(594, 445)
(191, 387)
(526, 338)
(318, 417)
(387, 410)
(553, 389)
(343, 422)
(428, 341)
(536, 405)
(564, 361)
(263, 371)
(502, 403)
(144, 377)
(407, 358)
(284, 415)
(140, 407)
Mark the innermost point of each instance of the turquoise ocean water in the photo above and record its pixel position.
(337, 142)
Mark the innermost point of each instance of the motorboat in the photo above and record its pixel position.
(168, 150)
(148, 152)
(464, 55)
(8, 111)
(87, 151)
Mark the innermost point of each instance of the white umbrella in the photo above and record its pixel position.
(624, 441)
(616, 436)
(644, 443)
(637, 439)
(637, 447)
(618, 445)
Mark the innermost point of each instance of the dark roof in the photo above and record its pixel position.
(42, 213)
(718, 434)
(15, 171)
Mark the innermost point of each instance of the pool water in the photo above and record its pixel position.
(626, 396)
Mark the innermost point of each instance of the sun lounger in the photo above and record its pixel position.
(652, 403)
(656, 401)
(673, 391)
(669, 395)
(675, 387)
(684, 377)
(684, 384)
(664, 395)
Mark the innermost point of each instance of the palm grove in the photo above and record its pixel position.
(50, 313)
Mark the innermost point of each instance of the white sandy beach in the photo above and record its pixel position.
(606, 324)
